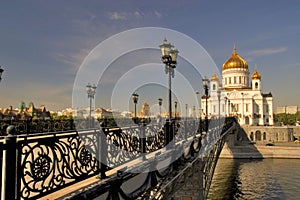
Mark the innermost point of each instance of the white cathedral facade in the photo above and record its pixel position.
(238, 95)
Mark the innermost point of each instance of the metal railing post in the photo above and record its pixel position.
(185, 130)
(194, 128)
(143, 139)
(172, 132)
(9, 167)
(167, 132)
(103, 150)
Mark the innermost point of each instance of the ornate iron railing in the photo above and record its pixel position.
(158, 183)
(46, 162)
(49, 162)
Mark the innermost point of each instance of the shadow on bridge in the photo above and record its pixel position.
(238, 145)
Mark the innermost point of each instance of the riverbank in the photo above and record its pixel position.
(246, 151)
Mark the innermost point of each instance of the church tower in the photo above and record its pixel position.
(256, 81)
(214, 83)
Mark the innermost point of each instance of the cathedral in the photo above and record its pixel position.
(238, 95)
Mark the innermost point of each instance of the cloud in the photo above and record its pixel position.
(135, 14)
(118, 15)
(157, 14)
(72, 59)
(270, 51)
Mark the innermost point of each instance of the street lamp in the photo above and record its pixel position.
(186, 112)
(160, 103)
(219, 109)
(198, 94)
(91, 91)
(229, 108)
(1, 71)
(219, 98)
(175, 104)
(135, 98)
(243, 118)
(205, 83)
(225, 106)
(169, 58)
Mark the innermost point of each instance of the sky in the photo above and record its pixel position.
(43, 44)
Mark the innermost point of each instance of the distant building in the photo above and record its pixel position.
(145, 110)
(287, 109)
(103, 113)
(240, 96)
(24, 113)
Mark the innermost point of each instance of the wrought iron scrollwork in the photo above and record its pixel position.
(52, 163)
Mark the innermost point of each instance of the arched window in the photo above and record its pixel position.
(258, 136)
(247, 120)
(264, 136)
(214, 86)
(256, 85)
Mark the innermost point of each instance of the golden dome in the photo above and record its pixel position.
(235, 61)
(256, 75)
(214, 77)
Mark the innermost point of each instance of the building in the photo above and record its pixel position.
(239, 95)
(24, 113)
(145, 110)
(287, 109)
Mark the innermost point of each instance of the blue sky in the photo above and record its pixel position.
(43, 43)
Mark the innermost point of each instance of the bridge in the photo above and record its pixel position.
(145, 161)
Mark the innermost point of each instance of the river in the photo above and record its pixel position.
(256, 179)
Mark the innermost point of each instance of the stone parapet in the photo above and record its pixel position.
(260, 151)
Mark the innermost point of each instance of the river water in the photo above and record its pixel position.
(256, 179)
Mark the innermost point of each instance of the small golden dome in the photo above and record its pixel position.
(214, 77)
(235, 61)
(256, 75)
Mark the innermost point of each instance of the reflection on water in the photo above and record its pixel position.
(256, 179)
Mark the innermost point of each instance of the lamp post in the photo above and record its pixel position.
(135, 98)
(243, 118)
(225, 106)
(219, 103)
(1, 71)
(200, 117)
(219, 109)
(198, 94)
(91, 91)
(229, 108)
(186, 111)
(175, 105)
(160, 103)
(169, 58)
(205, 83)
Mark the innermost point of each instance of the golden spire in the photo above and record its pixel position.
(234, 49)
(256, 75)
(214, 77)
(235, 62)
